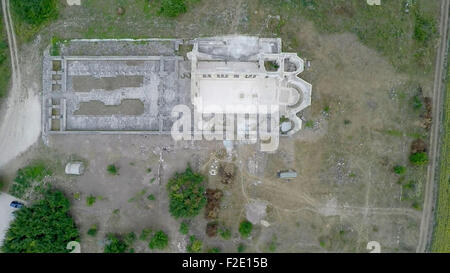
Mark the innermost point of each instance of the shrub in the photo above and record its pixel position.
(112, 169)
(172, 8)
(115, 244)
(225, 233)
(245, 228)
(145, 233)
(195, 245)
(93, 230)
(184, 228)
(186, 194)
(130, 238)
(214, 250)
(151, 197)
(45, 227)
(1, 185)
(159, 240)
(420, 158)
(90, 200)
(35, 12)
(399, 169)
(241, 248)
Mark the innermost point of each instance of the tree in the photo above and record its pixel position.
(45, 227)
(245, 228)
(159, 240)
(186, 194)
(35, 12)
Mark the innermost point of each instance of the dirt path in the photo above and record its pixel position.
(426, 225)
(20, 126)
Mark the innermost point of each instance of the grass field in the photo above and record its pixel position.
(441, 238)
(404, 36)
(5, 69)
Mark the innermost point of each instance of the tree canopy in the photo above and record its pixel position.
(186, 194)
(45, 227)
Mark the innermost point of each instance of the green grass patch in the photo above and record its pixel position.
(441, 235)
(404, 36)
(29, 178)
(5, 64)
(30, 16)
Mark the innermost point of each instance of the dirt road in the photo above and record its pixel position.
(20, 124)
(426, 225)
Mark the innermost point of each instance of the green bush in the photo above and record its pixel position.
(241, 248)
(399, 169)
(159, 240)
(1, 185)
(26, 177)
(186, 194)
(35, 12)
(214, 250)
(45, 227)
(115, 244)
(112, 169)
(172, 8)
(225, 233)
(130, 238)
(195, 245)
(90, 200)
(93, 230)
(420, 158)
(245, 228)
(145, 233)
(184, 228)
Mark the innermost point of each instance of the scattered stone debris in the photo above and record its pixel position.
(213, 203)
(213, 168)
(227, 172)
